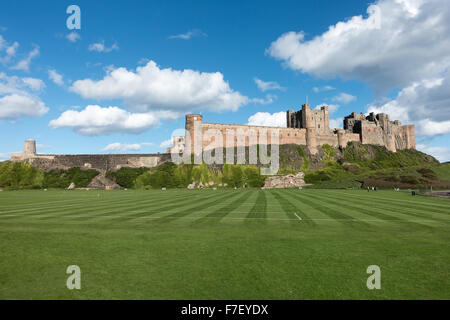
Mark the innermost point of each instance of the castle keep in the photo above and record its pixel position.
(310, 127)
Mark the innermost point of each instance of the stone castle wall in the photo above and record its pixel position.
(102, 162)
(304, 127)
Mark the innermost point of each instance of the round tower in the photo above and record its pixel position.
(310, 126)
(390, 145)
(29, 147)
(194, 135)
(342, 140)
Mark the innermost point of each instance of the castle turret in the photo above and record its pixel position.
(30, 147)
(309, 124)
(194, 134)
(342, 138)
(390, 143)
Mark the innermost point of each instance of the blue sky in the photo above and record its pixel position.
(79, 91)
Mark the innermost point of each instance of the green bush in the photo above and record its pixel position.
(125, 177)
(17, 175)
(59, 178)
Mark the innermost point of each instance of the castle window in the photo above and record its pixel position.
(319, 124)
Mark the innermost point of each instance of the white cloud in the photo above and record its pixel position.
(401, 44)
(324, 88)
(123, 147)
(277, 119)
(15, 105)
(188, 35)
(24, 64)
(10, 50)
(151, 87)
(166, 144)
(425, 103)
(398, 42)
(331, 107)
(7, 155)
(337, 123)
(33, 83)
(14, 84)
(100, 47)
(344, 98)
(440, 153)
(95, 120)
(267, 100)
(56, 77)
(73, 36)
(267, 85)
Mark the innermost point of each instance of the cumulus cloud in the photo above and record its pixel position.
(100, 47)
(73, 36)
(267, 100)
(96, 120)
(324, 88)
(425, 103)
(15, 105)
(151, 87)
(277, 119)
(331, 107)
(10, 50)
(344, 98)
(56, 77)
(124, 147)
(24, 64)
(400, 44)
(14, 84)
(188, 35)
(440, 153)
(267, 85)
(397, 42)
(166, 143)
(337, 123)
(17, 100)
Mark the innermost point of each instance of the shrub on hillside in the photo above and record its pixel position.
(58, 178)
(17, 175)
(125, 177)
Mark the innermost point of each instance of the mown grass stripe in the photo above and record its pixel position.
(224, 210)
(410, 210)
(334, 213)
(204, 204)
(290, 208)
(259, 209)
(373, 212)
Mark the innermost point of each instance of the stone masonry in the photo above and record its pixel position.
(304, 127)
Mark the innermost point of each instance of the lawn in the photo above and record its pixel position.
(223, 244)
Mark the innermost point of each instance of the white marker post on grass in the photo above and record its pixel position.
(299, 218)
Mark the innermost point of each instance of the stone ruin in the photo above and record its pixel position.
(285, 181)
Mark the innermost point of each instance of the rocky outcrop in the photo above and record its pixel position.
(101, 182)
(285, 181)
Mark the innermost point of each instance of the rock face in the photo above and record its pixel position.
(101, 182)
(287, 181)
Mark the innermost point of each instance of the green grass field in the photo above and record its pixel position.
(224, 244)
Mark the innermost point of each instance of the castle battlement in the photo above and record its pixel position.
(310, 127)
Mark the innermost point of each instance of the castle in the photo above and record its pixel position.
(309, 127)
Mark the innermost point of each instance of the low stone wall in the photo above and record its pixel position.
(101, 162)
